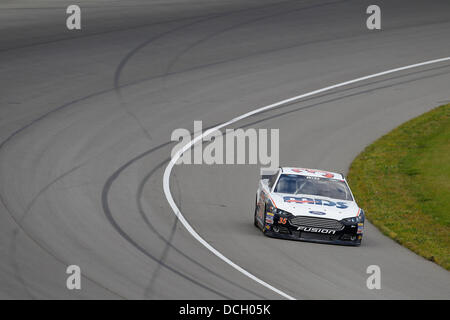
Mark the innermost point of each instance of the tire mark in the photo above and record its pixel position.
(165, 252)
(16, 266)
(16, 232)
(345, 96)
(123, 62)
(169, 243)
(146, 25)
(215, 34)
(108, 213)
(46, 249)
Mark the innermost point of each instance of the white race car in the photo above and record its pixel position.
(310, 205)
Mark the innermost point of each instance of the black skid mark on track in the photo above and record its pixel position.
(144, 44)
(129, 55)
(127, 58)
(16, 266)
(42, 246)
(94, 34)
(16, 232)
(278, 115)
(215, 34)
(128, 238)
(168, 240)
(18, 222)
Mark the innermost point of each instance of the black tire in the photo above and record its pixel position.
(255, 221)
(264, 229)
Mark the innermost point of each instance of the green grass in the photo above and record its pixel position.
(402, 181)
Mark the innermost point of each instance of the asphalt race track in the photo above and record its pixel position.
(86, 119)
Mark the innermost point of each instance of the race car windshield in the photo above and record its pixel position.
(315, 186)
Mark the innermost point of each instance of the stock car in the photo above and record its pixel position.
(309, 205)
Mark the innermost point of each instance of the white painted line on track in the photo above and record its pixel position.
(177, 155)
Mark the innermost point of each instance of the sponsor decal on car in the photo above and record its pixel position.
(269, 219)
(319, 202)
(360, 228)
(325, 174)
(319, 213)
(316, 230)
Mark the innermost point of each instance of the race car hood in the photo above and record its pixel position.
(315, 206)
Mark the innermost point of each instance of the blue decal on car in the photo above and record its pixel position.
(303, 200)
(320, 213)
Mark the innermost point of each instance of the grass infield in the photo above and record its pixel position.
(402, 181)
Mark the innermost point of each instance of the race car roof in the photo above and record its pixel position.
(312, 172)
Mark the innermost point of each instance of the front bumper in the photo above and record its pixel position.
(350, 235)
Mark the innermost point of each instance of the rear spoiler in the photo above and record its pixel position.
(267, 173)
